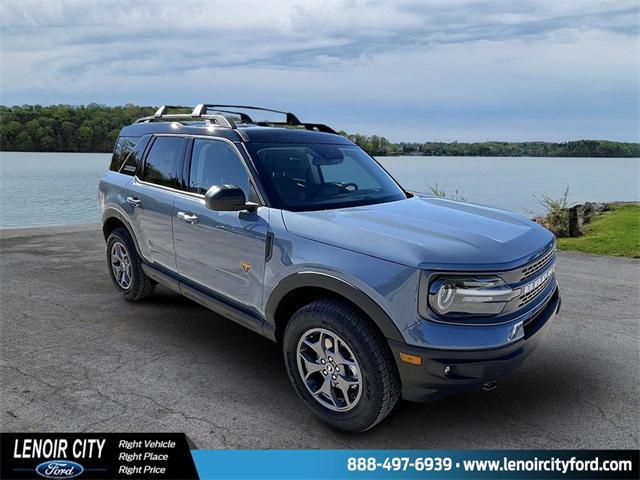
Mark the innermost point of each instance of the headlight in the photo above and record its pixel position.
(469, 295)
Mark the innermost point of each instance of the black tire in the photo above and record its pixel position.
(380, 381)
(140, 286)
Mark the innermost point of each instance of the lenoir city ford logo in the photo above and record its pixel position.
(59, 469)
(56, 453)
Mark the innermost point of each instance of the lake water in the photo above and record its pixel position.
(38, 189)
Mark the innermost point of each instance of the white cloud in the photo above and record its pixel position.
(458, 69)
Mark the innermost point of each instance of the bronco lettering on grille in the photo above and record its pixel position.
(538, 281)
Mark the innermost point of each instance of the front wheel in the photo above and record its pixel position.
(340, 365)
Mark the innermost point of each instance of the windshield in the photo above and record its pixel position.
(302, 177)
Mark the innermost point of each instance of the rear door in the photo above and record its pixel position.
(150, 199)
(224, 252)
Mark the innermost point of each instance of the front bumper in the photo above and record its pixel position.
(468, 368)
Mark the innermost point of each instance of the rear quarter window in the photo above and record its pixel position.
(133, 163)
(124, 146)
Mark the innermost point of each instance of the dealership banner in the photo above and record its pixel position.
(95, 455)
(171, 456)
(410, 464)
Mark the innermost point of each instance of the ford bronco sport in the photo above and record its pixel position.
(291, 230)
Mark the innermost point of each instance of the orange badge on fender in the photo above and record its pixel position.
(246, 266)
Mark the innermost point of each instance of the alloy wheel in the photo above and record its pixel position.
(329, 369)
(121, 265)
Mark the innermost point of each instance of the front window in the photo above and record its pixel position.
(215, 162)
(302, 177)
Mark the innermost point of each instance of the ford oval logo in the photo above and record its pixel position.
(59, 469)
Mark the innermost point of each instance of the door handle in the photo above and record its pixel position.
(187, 218)
(134, 202)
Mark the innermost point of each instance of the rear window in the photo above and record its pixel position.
(160, 166)
(123, 147)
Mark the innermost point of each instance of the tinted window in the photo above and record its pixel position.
(216, 163)
(348, 171)
(162, 160)
(133, 161)
(123, 147)
(318, 176)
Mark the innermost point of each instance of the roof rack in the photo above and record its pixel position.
(161, 116)
(203, 107)
(163, 110)
(200, 112)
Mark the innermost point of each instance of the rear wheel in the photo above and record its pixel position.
(125, 267)
(340, 365)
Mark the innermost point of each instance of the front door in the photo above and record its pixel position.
(224, 252)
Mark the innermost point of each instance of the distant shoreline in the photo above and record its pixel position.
(415, 154)
(391, 155)
(93, 128)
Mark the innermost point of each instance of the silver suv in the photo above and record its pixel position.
(293, 231)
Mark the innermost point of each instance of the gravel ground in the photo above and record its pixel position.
(77, 357)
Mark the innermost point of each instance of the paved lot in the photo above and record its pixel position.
(75, 356)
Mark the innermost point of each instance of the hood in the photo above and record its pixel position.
(428, 233)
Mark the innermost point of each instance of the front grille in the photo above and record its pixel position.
(527, 297)
(533, 268)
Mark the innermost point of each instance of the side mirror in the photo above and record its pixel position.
(227, 198)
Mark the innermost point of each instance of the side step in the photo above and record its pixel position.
(203, 298)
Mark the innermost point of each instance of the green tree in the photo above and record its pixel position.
(94, 128)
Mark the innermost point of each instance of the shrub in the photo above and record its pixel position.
(556, 217)
(438, 192)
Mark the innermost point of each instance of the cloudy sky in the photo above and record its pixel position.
(409, 70)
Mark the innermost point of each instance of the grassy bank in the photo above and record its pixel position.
(616, 232)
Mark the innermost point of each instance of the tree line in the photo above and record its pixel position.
(380, 146)
(94, 128)
(65, 128)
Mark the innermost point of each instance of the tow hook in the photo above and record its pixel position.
(487, 387)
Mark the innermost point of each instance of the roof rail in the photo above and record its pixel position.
(203, 107)
(200, 112)
(161, 116)
(316, 127)
(244, 118)
(163, 110)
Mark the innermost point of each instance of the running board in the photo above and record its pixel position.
(218, 306)
(221, 308)
(160, 277)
